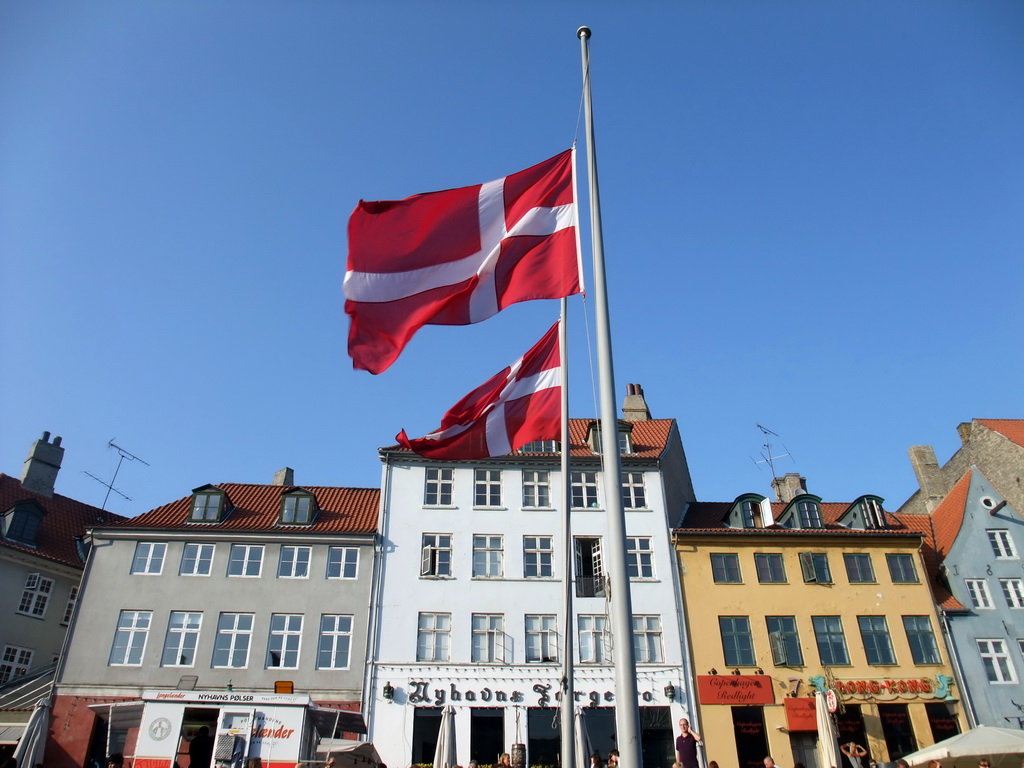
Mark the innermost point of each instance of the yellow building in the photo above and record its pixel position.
(785, 598)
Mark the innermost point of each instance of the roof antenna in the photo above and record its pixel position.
(110, 486)
(767, 457)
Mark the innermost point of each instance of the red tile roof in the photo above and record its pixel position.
(650, 439)
(924, 524)
(64, 519)
(257, 508)
(1011, 429)
(948, 517)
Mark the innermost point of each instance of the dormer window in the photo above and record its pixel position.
(208, 504)
(297, 508)
(542, 446)
(809, 514)
(22, 521)
(802, 513)
(747, 512)
(865, 514)
(625, 438)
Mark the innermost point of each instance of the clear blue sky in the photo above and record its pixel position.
(813, 215)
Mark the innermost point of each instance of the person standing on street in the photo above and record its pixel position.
(686, 745)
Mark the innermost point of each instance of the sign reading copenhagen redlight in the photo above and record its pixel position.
(735, 689)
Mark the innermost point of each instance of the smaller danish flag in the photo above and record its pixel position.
(520, 404)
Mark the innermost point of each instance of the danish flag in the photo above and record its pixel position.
(458, 256)
(520, 404)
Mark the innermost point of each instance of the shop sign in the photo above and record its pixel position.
(735, 689)
(886, 688)
(420, 692)
(801, 714)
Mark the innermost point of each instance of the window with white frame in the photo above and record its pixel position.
(294, 563)
(130, 638)
(15, 662)
(594, 646)
(536, 489)
(487, 488)
(234, 637)
(538, 557)
(36, 596)
(487, 557)
(583, 490)
(1002, 545)
(69, 609)
(921, 639)
(149, 558)
(335, 641)
(633, 490)
(436, 555)
(196, 560)
(541, 446)
(1013, 591)
(285, 640)
(342, 562)
(541, 638)
(432, 636)
(438, 487)
(488, 641)
(183, 629)
(998, 665)
(246, 560)
(647, 639)
(639, 557)
(977, 589)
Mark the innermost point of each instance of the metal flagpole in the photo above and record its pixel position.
(566, 704)
(627, 713)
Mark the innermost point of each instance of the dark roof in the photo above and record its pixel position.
(709, 517)
(64, 519)
(650, 439)
(257, 508)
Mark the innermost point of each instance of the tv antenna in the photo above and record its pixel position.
(124, 454)
(767, 457)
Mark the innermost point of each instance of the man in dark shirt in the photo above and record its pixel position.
(686, 745)
(200, 749)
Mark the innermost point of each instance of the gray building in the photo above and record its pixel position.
(254, 589)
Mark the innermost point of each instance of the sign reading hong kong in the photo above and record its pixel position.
(420, 692)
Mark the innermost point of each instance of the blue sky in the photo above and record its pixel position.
(812, 216)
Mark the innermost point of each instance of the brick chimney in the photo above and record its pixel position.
(42, 465)
(929, 477)
(634, 407)
(964, 429)
(788, 487)
(284, 476)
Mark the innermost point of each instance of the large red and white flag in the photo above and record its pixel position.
(458, 256)
(520, 404)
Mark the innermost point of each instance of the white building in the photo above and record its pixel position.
(469, 599)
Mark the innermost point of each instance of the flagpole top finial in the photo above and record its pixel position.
(583, 32)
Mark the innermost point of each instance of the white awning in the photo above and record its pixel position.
(9, 734)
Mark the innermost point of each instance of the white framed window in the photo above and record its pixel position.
(246, 560)
(342, 562)
(594, 646)
(979, 594)
(590, 581)
(1002, 545)
(294, 562)
(541, 638)
(285, 640)
(639, 557)
(541, 446)
(487, 488)
(438, 486)
(183, 629)
(997, 662)
(14, 662)
(69, 609)
(536, 489)
(335, 641)
(538, 557)
(130, 638)
(488, 557)
(583, 490)
(234, 637)
(149, 558)
(197, 559)
(36, 596)
(647, 639)
(1013, 591)
(488, 641)
(436, 555)
(432, 636)
(633, 496)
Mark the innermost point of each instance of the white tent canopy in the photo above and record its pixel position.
(1003, 747)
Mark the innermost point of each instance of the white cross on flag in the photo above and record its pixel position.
(520, 404)
(458, 256)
